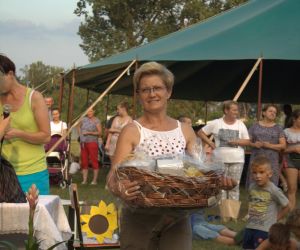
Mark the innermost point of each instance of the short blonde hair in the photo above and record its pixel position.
(154, 68)
(227, 104)
(261, 160)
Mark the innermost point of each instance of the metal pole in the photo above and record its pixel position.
(90, 107)
(61, 91)
(259, 90)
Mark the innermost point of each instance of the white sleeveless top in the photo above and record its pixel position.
(160, 143)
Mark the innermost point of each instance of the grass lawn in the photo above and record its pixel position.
(93, 193)
(98, 192)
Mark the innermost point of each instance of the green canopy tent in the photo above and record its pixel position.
(212, 58)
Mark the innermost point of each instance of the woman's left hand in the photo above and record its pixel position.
(129, 190)
(228, 183)
(266, 144)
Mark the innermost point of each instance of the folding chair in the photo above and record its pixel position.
(77, 241)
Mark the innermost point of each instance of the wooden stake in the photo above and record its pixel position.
(243, 86)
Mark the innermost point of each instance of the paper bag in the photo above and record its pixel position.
(229, 209)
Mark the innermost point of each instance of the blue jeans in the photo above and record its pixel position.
(202, 229)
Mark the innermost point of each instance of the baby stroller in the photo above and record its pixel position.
(103, 157)
(57, 162)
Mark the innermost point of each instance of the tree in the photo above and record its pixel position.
(114, 26)
(41, 76)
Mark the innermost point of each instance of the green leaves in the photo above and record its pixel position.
(114, 26)
(31, 245)
(57, 244)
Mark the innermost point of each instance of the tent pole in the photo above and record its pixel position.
(61, 91)
(70, 113)
(259, 90)
(206, 112)
(87, 97)
(106, 109)
(134, 94)
(90, 107)
(243, 86)
(71, 99)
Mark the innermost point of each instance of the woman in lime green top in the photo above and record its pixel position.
(29, 129)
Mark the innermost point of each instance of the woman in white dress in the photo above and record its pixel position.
(57, 126)
(119, 122)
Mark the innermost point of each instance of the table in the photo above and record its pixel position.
(50, 221)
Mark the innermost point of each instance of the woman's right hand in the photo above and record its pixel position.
(128, 190)
(4, 126)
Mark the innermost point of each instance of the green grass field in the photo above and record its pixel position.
(95, 193)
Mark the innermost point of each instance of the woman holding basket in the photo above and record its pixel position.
(156, 134)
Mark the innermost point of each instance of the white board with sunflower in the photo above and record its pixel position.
(99, 224)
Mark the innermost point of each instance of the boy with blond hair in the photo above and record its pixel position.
(267, 203)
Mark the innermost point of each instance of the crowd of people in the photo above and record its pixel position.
(275, 157)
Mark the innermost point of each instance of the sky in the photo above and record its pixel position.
(41, 30)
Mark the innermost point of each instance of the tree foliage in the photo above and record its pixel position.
(112, 26)
(41, 76)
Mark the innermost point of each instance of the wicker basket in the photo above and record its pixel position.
(161, 190)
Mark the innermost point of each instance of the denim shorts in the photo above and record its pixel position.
(206, 231)
(293, 163)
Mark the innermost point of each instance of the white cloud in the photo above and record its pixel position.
(26, 42)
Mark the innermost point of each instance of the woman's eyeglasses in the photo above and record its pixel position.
(147, 91)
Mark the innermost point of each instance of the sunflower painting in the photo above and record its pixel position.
(101, 222)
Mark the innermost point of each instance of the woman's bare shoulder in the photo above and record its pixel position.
(131, 128)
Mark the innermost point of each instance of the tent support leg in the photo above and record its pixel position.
(87, 97)
(206, 112)
(100, 98)
(71, 99)
(106, 109)
(243, 86)
(70, 114)
(259, 90)
(61, 91)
